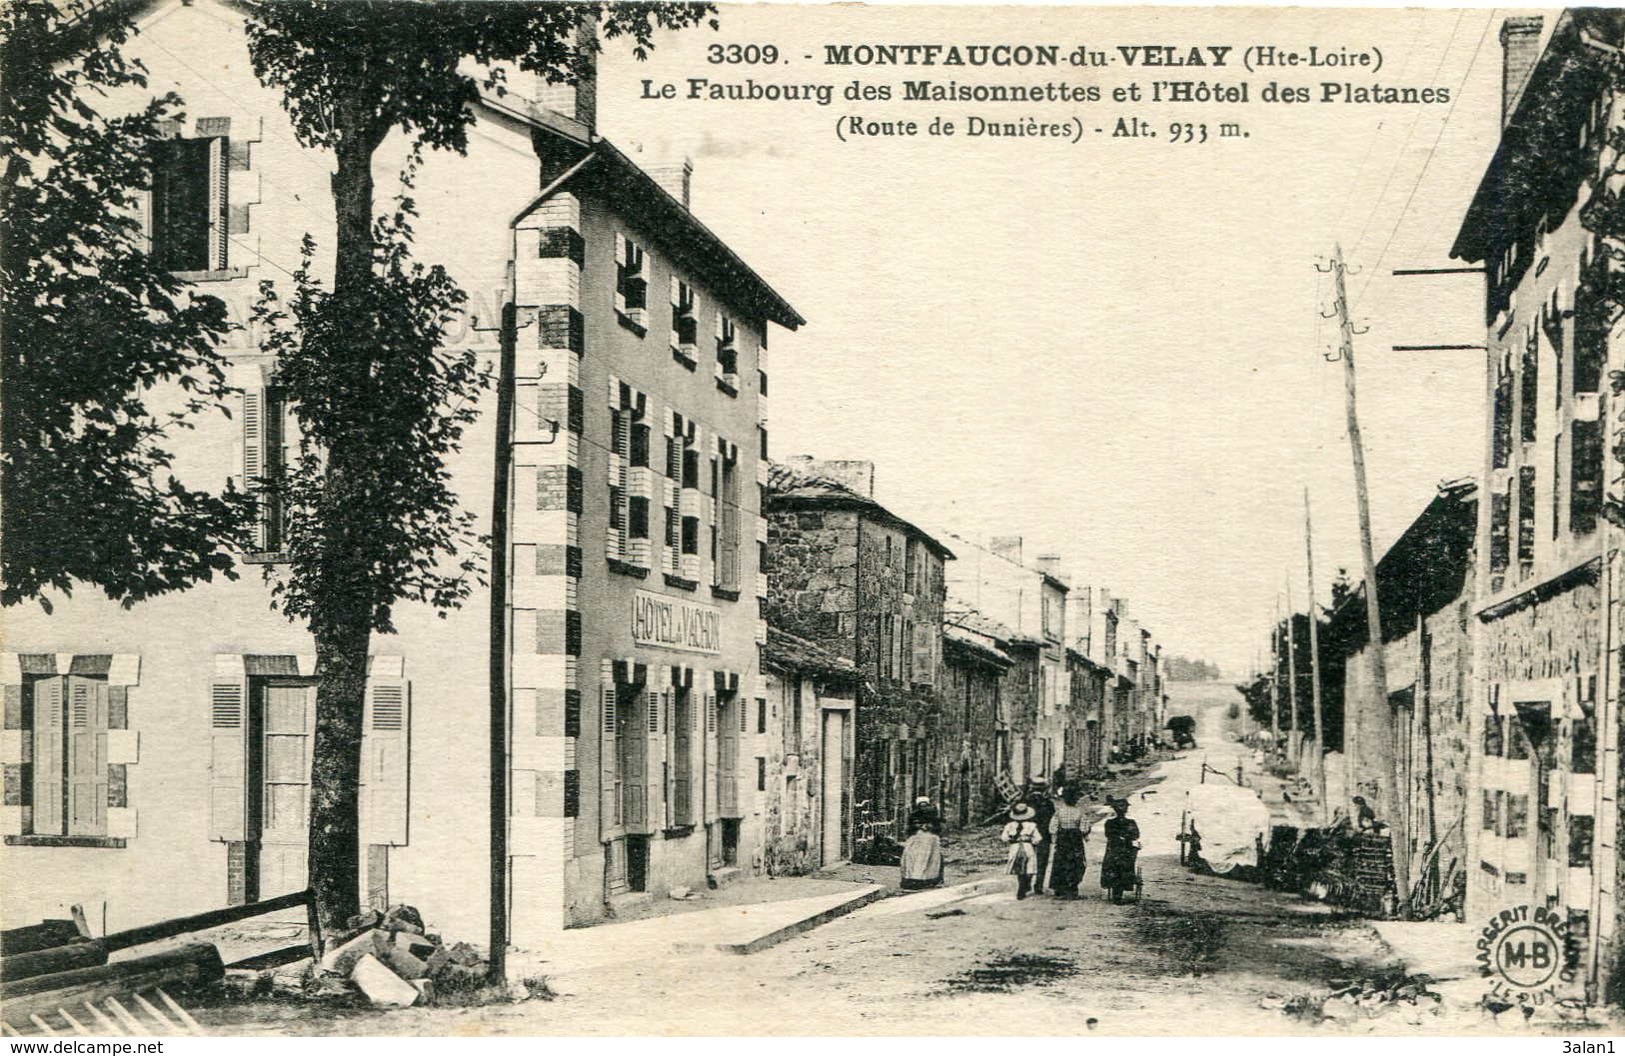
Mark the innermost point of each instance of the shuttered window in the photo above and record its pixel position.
(66, 773)
(190, 206)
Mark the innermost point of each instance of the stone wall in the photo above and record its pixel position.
(813, 576)
(964, 745)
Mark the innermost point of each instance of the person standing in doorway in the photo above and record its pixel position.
(1024, 837)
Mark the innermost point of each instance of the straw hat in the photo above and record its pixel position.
(1021, 812)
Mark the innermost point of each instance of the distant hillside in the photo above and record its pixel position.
(1184, 669)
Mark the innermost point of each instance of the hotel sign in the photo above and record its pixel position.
(676, 623)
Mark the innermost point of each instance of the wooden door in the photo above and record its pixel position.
(287, 728)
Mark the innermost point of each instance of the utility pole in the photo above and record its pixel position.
(1291, 673)
(1393, 811)
(1314, 663)
(1275, 679)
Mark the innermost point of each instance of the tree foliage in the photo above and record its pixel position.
(397, 530)
(90, 328)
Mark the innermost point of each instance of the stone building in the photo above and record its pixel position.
(1085, 749)
(969, 731)
(802, 769)
(1418, 741)
(866, 585)
(1031, 602)
(631, 612)
(1545, 716)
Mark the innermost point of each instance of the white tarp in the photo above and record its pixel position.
(1230, 821)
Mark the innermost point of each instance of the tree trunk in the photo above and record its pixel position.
(343, 624)
(335, 773)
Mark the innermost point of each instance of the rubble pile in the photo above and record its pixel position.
(386, 960)
(1405, 996)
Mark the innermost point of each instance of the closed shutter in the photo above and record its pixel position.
(609, 808)
(386, 762)
(49, 753)
(87, 756)
(654, 760)
(728, 761)
(623, 449)
(682, 766)
(228, 750)
(711, 757)
(633, 744)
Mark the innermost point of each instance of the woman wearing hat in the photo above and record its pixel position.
(1023, 836)
(1122, 848)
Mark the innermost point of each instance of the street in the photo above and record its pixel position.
(1199, 954)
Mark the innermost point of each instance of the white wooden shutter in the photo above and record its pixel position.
(386, 762)
(254, 438)
(620, 270)
(87, 756)
(710, 756)
(609, 809)
(49, 752)
(228, 751)
(654, 756)
(219, 202)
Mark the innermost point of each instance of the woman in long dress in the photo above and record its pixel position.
(1023, 837)
(1069, 828)
(922, 852)
(1122, 848)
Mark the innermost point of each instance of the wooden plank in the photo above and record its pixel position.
(44, 994)
(41, 936)
(273, 959)
(168, 929)
(57, 959)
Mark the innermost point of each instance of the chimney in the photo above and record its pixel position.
(677, 177)
(1006, 546)
(1050, 565)
(578, 101)
(852, 474)
(1520, 48)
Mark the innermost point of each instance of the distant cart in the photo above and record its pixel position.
(1183, 730)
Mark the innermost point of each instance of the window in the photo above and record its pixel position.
(911, 571)
(761, 774)
(1583, 750)
(1500, 538)
(1529, 406)
(190, 209)
(1492, 735)
(1517, 742)
(792, 718)
(685, 325)
(761, 714)
(1492, 810)
(264, 426)
(727, 369)
(1517, 821)
(65, 777)
(1526, 516)
(620, 419)
(1585, 476)
(682, 767)
(1501, 439)
(631, 282)
(1580, 834)
(728, 511)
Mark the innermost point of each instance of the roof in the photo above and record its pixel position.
(980, 645)
(1423, 571)
(614, 177)
(1538, 162)
(791, 488)
(958, 613)
(785, 652)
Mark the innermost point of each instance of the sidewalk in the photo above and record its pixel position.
(752, 916)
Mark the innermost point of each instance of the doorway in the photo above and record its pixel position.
(282, 724)
(637, 863)
(832, 786)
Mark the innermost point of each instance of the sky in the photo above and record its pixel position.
(1113, 349)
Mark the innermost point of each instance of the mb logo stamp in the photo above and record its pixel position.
(1525, 952)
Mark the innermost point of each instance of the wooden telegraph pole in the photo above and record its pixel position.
(1291, 674)
(1275, 680)
(1393, 812)
(1314, 664)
